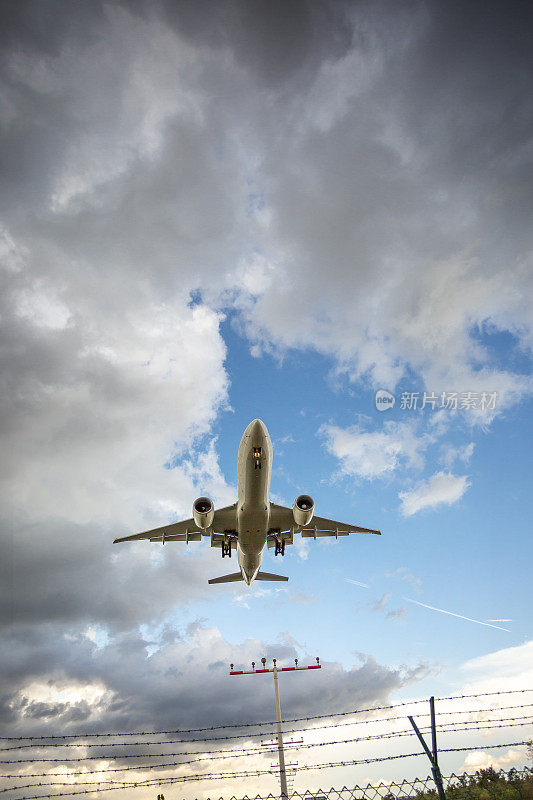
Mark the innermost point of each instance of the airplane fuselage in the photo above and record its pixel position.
(253, 503)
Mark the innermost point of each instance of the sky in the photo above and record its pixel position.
(313, 213)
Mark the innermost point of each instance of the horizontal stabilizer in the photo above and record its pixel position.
(269, 576)
(235, 576)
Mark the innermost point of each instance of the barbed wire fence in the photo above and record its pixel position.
(75, 770)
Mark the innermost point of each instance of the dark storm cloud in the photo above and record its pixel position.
(57, 571)
(44, 27)
(33, 127)
(183, 684)
(467, 93)
(410, 178)
(275, 41)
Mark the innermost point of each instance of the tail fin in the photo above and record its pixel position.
(235, 576)
(269, 576)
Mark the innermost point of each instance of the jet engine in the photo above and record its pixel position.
(203, 512)
(303, 510)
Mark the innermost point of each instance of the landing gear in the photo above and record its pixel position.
(279, 547)
(226, 548)
(230, 537)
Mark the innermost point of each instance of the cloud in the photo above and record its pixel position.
(404, 575)
(375, 454)
(479, 759)
(301, 548)
(452, 454)
(441, 488)
(512, 666)
(280, 595)
(400, 275)
(121, 688)
(274, 44)
(204, 470)
(379, 607)
(94, 413)
(417, 278)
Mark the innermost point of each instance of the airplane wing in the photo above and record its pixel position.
(187, 530)
(322, 526)
(281, 518)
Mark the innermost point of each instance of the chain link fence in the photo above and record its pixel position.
(486, 784)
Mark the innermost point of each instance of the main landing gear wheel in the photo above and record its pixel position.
(226, 548)
(279, 548)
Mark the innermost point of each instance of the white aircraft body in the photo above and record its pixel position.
(253, 520)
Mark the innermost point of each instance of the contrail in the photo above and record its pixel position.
(358, 583)
(469, 619)
(499, 620)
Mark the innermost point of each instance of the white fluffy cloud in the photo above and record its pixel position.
(443, 488)
(375, 454)
(480, 759)
(510, 668)
(101, 407)
(451, 454)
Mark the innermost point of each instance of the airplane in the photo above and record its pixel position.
(253, 520)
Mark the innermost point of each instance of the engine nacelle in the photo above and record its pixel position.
(203, 512)
(303, 510)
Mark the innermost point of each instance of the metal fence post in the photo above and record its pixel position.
(437, 777)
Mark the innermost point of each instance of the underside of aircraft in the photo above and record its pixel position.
(253, 521)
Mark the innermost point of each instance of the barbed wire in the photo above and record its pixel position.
(178, 764)
(245, 753)
(257, 735)
(101, 786)
(265, 722)
(233, 753)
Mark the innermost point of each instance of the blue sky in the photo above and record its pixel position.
(273, 211)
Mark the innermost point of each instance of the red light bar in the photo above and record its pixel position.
(280, 669)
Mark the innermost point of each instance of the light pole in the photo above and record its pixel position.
(276, 670)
